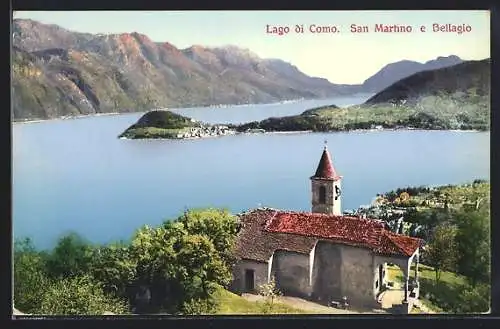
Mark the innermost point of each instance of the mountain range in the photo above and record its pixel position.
(469, 82)
(396, 71)
(56, 72)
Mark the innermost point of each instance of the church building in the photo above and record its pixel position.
(322, 255)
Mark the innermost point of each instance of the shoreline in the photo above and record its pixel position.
(22, 121)
(310, 132)
(214, 106)
(82, 116)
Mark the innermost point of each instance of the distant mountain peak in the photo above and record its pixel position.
(236, 51)
(461, 78)
(396, 71)
(451, 58)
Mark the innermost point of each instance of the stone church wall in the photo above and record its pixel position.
(260, 275)
(326, 276)
(358, 276)
(291, 272)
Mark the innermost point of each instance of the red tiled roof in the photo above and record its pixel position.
(325, 167)
(255, 243)
(392, 243)
(268, 230)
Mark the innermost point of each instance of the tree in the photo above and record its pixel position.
(185, 260)
(80, 296)
(270, 292)
(473, 245)
(441, 252)
(218, 225)
(201, 269)
(30, 279)
(115, 268)
(71, 257)
(474, 299)
(152, 250)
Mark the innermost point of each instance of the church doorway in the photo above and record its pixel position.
(381, 275)
(249, 280)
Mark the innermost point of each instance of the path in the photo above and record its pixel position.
(309, 306)
(395, 296)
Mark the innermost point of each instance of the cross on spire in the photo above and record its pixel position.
(325, 167)
(326, 144)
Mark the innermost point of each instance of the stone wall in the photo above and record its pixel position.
(331, 206)
(291, 272)
(358, 276)
(261, 275)
(326, 277)
(337, 270)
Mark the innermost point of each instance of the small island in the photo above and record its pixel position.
(169, 125)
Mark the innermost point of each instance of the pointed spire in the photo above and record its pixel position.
(325, 168)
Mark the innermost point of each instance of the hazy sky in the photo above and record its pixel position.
(342, 57)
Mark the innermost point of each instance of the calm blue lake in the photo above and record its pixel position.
(76, 175)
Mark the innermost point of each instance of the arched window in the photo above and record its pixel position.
(322, 194)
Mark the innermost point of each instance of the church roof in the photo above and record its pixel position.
(267, 230)
(325, 168)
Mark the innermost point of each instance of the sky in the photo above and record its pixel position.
(341, 57)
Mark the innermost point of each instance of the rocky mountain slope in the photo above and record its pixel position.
(399, 70)
(58, 72)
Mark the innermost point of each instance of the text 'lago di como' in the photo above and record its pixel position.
(281, 30)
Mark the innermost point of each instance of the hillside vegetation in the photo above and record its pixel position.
(158, 124)
(456, 97)
(454, 220)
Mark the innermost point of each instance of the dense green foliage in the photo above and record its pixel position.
(474, 246)
(163, 119)
(80, 295)
(70, 258)
(455, 222)
(158, 124)
(431, 112)
(174, 268)
(52, 283)
(30, 279)
(441, 252)
(452, 295)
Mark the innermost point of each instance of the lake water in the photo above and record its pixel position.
(76, 175)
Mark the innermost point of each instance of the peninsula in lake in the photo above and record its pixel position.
(456, 97)
(60, 73)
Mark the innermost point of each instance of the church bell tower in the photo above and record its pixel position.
(325, 187)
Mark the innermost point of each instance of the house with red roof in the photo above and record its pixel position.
(323, 255)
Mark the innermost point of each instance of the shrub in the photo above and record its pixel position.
(79, 296)
(200, 306)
